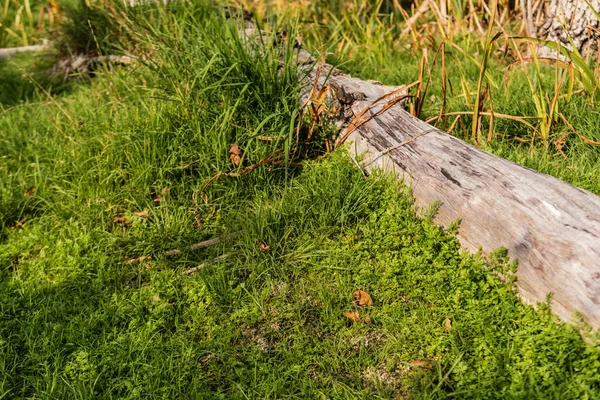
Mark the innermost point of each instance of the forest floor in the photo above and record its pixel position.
(326, 283)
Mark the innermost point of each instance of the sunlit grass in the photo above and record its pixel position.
(122, 166)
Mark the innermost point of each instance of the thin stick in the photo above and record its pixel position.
(195, 246)
(11, 51)
(199, 267)
(585, 139)
(487, 114)
(453, 124)
(361, 119)
(412, 20)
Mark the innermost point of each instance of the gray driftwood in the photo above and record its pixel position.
(550, 226)
(11, 51)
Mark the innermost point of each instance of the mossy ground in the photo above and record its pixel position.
(77, 320)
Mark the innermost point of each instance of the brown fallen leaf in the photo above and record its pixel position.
(141, 214)
(368, 320)
(121, 219)
(352, 316)
(29, 193)
(421, 364)
(263, 247)
(362, 298)
(163, 193)
(447, 325)
(235, 154)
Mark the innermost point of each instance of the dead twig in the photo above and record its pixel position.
(199, 267)
(583, 138)
(413, 19)
(488, 114)
(195, 246)
(275, 158)
(395, 96)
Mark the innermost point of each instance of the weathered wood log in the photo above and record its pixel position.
(11, 51)
(87, 65)
(551, 227)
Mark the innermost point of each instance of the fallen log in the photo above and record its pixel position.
(551, 227)
(11, 51)
(87, 65)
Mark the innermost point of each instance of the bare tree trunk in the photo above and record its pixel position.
(572, 20)
(11, 51)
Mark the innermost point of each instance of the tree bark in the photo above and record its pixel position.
(571, 20)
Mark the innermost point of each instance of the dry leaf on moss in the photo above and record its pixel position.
(19, 224)
(141, 214)
(164, 192)
(421, 364)
(235, 154)
(29, 193)
(121, 219)
(263, 247)
(447, 325)
(368, 320)
(352, 316)
(362, 298)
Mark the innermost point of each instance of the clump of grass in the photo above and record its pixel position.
(26, 22)
(93, 28)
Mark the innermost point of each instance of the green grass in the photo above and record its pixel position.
(25, 22)
(78, 321)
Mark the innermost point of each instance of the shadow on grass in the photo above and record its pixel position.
(23, 77)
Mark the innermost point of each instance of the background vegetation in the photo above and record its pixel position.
(99, 177)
